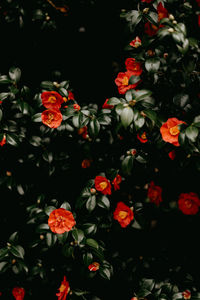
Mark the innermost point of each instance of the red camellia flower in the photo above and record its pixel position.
(132, 65)
(3, 141)
(152, 29)
(106, 105)
(170, 131)
(94, 266)
(123, 214)
(189, 203)
(52, 100)
(136, 42)
(61, 220)
(52, 118)
(18, 293)
(122, 81)
(76, 107)
(83, 132)
(172, 155)
(103, 185)
(162, 12)
(186, 294)
(63, 289)
(116, 181)
(86, 163)
(142, 137)
(70, 96)
(154, 193)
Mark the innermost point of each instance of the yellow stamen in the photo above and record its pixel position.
(174, 130)
(52, 99)
(103, 185)
(62, 288)
(125, 80)
(143, 136)
(123, 214)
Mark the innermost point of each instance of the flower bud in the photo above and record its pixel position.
(8, 173)
(171, 17)
(41, 236)
(171, 30)
(145, 10)
(174, 22)
(13, 261)
(93, 191)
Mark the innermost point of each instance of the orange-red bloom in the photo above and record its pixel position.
(76, 107)
(122, 81)
(18, 293)
(133, 66)
(123, 214)
(170, 131)
(186, 294)
(86, 163)
(106, 105)
(70, 96)
(172, 155)
(61, 220)
(116, 181)
(94, 266)
(52, 100)
(154, 193)
(83, 132)
(51, 118)
(136, 42)
(189, 203)
(3, 141)
(142, 137)
(63, 289)
(152, 29)
(103, 185)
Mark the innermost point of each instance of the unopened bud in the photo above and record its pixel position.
(8, 244)
(13, 261)
(41, 236)
(47, 18)
(165, 55)
(93, 191)
(150, 52)
(39, 265)
(145, 10)
(56, 84)
(8, 173)
(133, 152)
(38, 201)
(171, 30)
(171, 17)
(174, 22)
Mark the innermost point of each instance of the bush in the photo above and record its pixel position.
(103, 193)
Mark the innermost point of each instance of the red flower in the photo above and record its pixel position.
(162, 12)
(172, 155)
(132, 65)
(103, 185)
(136, 42)
(76, 107)
(147, 1)
(3, 141)
(170, 131)
(186, 294)
(123, 214)
(94, 266)
(142, 137)
(189, 203)
(122, 81)
(86, 163)
(105, 105)
(198, 2)
(52, 118)
(61, 220)
(18, 293)
(83, 132)
(52, 100)
(154, 193)
(63, 289)
(70, 96)
(116, 181)
(150, 29)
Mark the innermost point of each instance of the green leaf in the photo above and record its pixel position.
(103, 202)
(192, 133)
(126, 116)
(148, 284)
(87, 258)
(139, 122)
(37, 117)
(113, 101)
(15, 74)
(42, 227)
(63, 92)
(105, 273)
(12, 139)
(151, 114)
(14, 237)
(178, 37)
(127, 164)
(91, 203)
(51, 239)
(94, 127)
(92, 243)
(3, 252)
(133, 79)
(152, 64)
(47, 85)
(3, 266)
(17, 251)
(181, 138)
(62, 237)
(90, 228)
(49, 209)
(4, 96)
(78, 235)
(181, 99)
(66, 205)
(1, 114)
(4, 79)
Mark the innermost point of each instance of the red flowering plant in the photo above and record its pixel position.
(104, 194)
